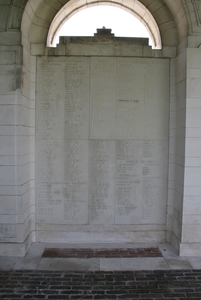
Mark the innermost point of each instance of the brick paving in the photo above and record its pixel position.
(152, 285)
(103, 253)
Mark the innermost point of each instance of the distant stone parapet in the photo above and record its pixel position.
(104, 32)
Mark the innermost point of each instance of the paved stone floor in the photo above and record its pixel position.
(100, 272)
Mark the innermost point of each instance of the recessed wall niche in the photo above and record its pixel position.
(102, 142)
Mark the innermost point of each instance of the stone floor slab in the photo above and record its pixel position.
(27, 263)
(167, 250)
(178, 263)
(128, 264)
(194, 261)
(32, 259)
(69, 264)
(36, 249)
(7, 263)
(101, 245)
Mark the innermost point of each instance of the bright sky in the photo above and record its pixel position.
(86, 21)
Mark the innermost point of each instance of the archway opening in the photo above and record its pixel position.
(73, 7)
(86, 21)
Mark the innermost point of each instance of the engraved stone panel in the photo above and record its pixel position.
(103, 98)
(130, 98)
(77, 98)
(76, 182)
(49, 140)
(102, 181)
(102, 140)
(154, 181)
(128, 182)
(76, 136)
(62, 130)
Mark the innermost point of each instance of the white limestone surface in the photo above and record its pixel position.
(101, 140)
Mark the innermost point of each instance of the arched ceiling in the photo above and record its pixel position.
(175, 19)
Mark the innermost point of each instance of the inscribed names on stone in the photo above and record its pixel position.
(101, 181)
(103, 98)
(154, 181)
(76, 136)
(130, 98)
(102, 140)
(49, 141)
(62, 131)
(76, 181)
(128, 182)
(76, 98)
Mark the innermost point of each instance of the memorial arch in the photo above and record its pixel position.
(175, 28)
(138, 10)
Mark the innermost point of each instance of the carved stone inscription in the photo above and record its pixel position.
(128, 181)
(76, 98)
(130, 99)
(62, 132)
(101, 182)
(154, 180)
(49, 141)
(101, 140)
(103, 98)
(76, 136)
(75, 189)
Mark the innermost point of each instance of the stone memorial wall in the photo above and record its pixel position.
(102, 140)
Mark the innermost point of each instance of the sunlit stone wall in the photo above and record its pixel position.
(102, 142)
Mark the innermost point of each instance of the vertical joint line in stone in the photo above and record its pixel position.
(115, 184)
(89, 138)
